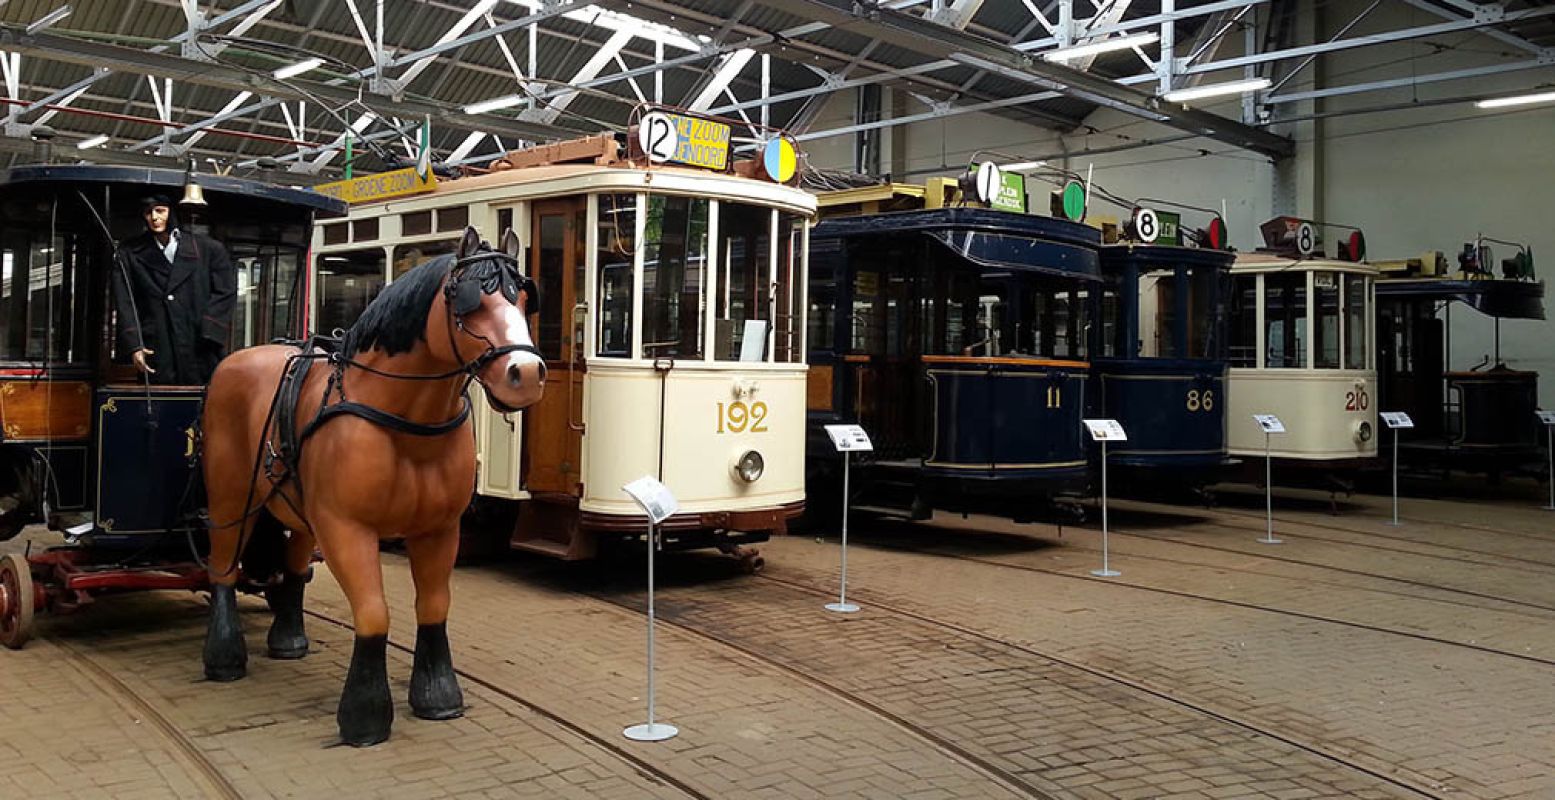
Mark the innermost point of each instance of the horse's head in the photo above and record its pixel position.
(489, 300)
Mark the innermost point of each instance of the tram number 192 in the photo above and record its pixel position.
(1357, 400)
(737, 417)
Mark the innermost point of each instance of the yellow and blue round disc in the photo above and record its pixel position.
(780, 159)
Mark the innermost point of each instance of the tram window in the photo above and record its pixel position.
(824, 255)
(1109, 344)
(1285, 320)
(1203, 313)
(1356, 335)
(674, 273)
(616, 243)
(348, 281)
(42, 298)
(409, 256)
(1326, 334)
(744, 288)
(364, 230)
(453, 219)
(1166, 316)
(267, 277)
(1053, 321)
(789, 283)
(338, 233)
(504, 222)
(1244, 322)
(416, 223)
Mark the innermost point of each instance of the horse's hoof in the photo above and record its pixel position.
(226, 655)
(287, 639)
(366, 710)
(434, 688)
(225, 674)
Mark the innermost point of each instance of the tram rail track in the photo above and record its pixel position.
(1189, 595)
(994, 772)
(643, 766)
(197, 766)
(1414, 785)
(1392, 537)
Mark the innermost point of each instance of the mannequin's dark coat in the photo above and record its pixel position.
(181, 311)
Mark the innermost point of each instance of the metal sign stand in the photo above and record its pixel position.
(1548, 418)
(1105, 430)
(1397, 421)
(846, 438)
(1270, 425)
(657, 502)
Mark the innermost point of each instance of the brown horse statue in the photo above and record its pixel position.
(389, 453)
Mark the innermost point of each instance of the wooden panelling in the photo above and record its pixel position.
(45, 409)
(818, 387)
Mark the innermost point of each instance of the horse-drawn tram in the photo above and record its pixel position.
(672, 320)
(87, 445)
(958, 336)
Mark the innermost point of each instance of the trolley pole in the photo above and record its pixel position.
(657, 502)
(1105, 430)
(846, 438)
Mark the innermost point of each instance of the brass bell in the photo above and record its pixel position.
(193, 194)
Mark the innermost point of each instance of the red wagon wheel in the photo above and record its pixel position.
(15, 601)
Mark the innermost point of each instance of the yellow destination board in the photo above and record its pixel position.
(382, 186)
(702, 142)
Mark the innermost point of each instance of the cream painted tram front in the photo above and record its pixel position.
(672, 318)
(1301, 349)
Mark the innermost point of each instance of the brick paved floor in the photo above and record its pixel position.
(777, 698)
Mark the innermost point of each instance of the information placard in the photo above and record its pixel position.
(1105, 430)
(1269, 423)
(1546, 417)
(1396, 419)
(653, 498)
(849, 438)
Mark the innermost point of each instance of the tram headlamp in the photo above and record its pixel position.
(750, 466)
(1362, 432)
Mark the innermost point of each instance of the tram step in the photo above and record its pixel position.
(892, 512)
(543, 547)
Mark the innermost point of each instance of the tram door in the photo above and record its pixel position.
(553, 427)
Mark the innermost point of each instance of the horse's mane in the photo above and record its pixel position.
(397, 318)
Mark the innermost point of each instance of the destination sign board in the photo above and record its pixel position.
(380, 186)
(679, 139)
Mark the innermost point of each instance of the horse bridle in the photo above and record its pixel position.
(473, 276)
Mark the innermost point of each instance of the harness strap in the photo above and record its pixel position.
(384, 419)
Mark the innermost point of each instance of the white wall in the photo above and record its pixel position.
(1426, 178)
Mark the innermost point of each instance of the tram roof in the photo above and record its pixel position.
(240, 189)
(1278, 262)
(1503, 299)
(1165, 256)
(583, 178)
(987, 238)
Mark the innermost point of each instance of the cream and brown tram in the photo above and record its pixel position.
(672, 318)
(1302, 349)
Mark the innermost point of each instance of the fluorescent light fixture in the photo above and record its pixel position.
(1100, 46)
(1516, 100)
(1021, 166)
(298, 68)
(494, 104)
(48, 19)
(96, 141)
(1215, 90)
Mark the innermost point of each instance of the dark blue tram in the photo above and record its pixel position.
(959, 338)
(86, 446)
(1160, 363)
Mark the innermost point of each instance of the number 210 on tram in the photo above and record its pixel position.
(672, 322)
